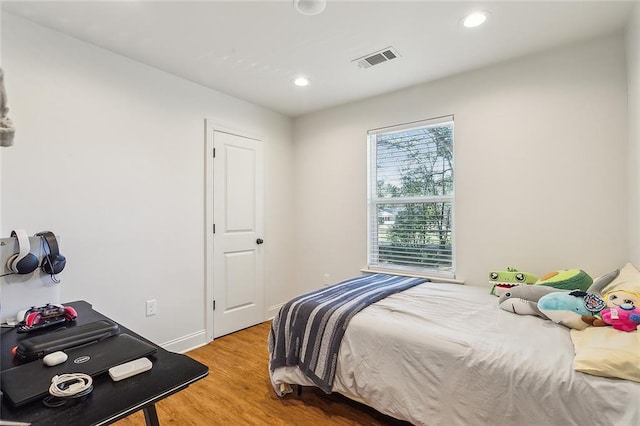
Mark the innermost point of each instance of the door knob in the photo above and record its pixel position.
(259, 241)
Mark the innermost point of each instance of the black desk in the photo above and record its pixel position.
(110, 401)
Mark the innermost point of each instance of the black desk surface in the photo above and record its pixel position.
(109, 401)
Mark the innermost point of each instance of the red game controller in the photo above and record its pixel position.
(45, 316)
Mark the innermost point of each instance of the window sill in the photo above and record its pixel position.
(435, 279)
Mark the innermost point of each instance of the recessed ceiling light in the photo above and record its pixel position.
(301, 81)
(474, 19)
(310, 7)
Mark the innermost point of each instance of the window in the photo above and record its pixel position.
(411, 197)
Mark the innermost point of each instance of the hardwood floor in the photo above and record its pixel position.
(238, 392)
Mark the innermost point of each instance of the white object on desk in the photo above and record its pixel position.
(128, 369)
(55, 358)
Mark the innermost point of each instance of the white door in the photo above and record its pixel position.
(237, 246)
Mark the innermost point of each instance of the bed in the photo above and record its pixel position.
(445, 354)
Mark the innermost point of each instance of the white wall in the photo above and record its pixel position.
(1, 149)
(541, 169)
(633, 84)
(109, 154)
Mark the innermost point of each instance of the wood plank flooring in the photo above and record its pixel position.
(238, 392)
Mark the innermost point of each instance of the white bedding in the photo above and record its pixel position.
(445, 354)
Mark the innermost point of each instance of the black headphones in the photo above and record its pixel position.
(23, 262)
(52, 262)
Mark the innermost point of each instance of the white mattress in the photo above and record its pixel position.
(445, 354)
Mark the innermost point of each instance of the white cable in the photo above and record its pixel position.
(70, 385)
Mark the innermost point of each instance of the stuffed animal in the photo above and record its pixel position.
(504, 280)
(622, 320)
(622, 311)
(523, 300)
(560, 306)
(568, 308)
(567, 279)
(603, 281)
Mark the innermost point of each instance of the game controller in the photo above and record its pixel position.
(50, 314)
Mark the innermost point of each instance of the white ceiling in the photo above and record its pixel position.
(254, 49)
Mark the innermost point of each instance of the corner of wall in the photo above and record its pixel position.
(1, 203)
(632, 42)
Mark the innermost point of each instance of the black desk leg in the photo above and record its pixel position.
(150, 415)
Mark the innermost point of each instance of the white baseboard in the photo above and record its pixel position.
(273, 310)
(186, 343)
(199, 338)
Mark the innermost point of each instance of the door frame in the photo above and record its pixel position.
(211, 127)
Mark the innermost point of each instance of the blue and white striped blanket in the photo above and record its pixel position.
(308, 330)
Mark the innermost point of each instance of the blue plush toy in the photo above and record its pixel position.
(568, 308)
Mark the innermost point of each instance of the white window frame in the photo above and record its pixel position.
(373, 201)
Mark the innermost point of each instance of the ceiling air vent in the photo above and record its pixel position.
(376, 58)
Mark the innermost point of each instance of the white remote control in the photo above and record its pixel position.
(131, 368)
